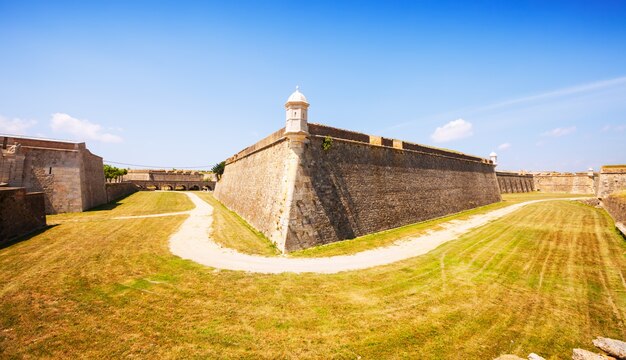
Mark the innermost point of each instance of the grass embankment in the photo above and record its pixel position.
(139, 203)
(620, 194)
(545, 279)
(389, 237)
(231, 231)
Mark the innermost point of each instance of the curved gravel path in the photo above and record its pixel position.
(192, 242)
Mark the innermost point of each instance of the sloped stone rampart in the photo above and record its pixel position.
(510, 182)
(300, 195)
(354, 189)
(254, 186)
(616, 206)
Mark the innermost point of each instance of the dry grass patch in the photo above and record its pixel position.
(139, 203)
(545, 279)
(389, 237)
(231, 231)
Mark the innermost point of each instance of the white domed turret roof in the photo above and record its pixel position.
(492, 154)
(297, 96)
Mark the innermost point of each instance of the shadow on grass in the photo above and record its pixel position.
(110, 205)
(25, 237)
(105, 207)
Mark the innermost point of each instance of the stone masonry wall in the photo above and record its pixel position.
(20, 213)
(611, 179)
(119, 190)
(56, 173)
(299, 195)
(615, 205)
(92, 180)
(571, 183)
(510, 182)
(11, 168)
(355, 189)
(68, 174)
(254, 186)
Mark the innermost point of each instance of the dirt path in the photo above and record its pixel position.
(192, 242)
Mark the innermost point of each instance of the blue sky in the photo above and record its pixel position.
(185, 84)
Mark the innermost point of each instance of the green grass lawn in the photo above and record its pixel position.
(139, 203)
(545, 279)
(233, 232)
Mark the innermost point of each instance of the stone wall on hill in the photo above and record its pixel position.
(255, 187)
(300, 195)
(354, 189)
(512, 182)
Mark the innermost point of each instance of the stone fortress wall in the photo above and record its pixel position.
(255, 186)
(571, 183)
(612, 179)
(300, 195)
(20, 213)
(615, 204)
(68, 174)
(150, 179)
(361, 187)
(514, 182)
(119, 190)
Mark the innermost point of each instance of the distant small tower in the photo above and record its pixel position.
(590, 172)
(296, 111)
(494, 158)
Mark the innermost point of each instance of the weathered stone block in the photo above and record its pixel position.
(612, 347)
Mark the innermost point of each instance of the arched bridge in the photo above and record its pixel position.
(174, 185)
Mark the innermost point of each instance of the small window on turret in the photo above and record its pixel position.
(50, 170)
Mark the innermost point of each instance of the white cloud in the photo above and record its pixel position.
(573, 90)
(618, 128)
(456, 129)
(81, 129)
(541, 102)
(559, 131)
(15, 126)
(504, 146)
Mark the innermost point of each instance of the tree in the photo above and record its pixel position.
(113, 173)
(218, 169)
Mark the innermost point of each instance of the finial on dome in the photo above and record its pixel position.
(297, 96)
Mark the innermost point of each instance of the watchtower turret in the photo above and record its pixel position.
(494, 158)
(296, 110)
